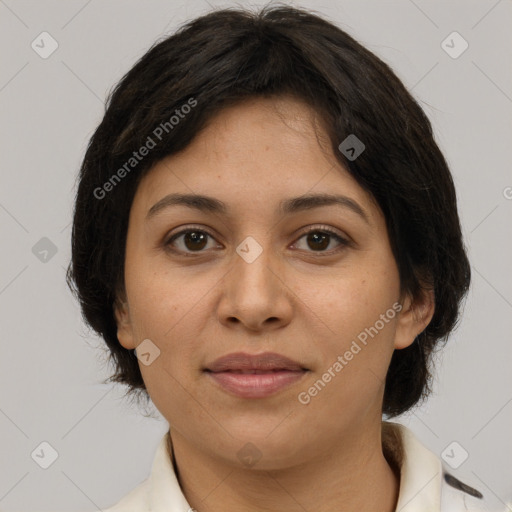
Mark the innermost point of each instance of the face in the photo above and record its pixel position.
(256, 271)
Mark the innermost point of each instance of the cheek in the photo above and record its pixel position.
(351, 304)
(356, 347)
(161, 300)
(170, 309)
(359, 328)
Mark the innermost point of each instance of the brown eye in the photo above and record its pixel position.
(319, 240)
(195, 240)
(189, 241)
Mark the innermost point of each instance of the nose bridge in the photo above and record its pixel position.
(253, 263)
(254, 291)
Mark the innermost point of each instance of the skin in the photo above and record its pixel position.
(326, 455)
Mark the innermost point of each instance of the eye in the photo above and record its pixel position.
(190, 240)
(319, 238)
(195, 240)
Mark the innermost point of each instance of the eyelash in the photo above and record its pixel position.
(313, 229)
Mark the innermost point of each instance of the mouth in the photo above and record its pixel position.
(254, 376)
(253, 372)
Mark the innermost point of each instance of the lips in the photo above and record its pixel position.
(241, 362)
(254, 376)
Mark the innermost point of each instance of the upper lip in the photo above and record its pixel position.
(242, 361)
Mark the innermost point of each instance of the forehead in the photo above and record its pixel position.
(254, 154)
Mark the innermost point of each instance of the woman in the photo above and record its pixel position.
(266, 236)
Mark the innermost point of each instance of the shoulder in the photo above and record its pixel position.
(458, 496)
(160, 490)
(427, 483)
(137, 499)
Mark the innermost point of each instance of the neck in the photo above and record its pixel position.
(354, 476)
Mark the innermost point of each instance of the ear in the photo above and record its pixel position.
(414, 317)
(124, 325)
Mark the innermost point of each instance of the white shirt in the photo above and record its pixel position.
(425, 483)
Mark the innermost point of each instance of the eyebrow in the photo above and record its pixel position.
(204, 203)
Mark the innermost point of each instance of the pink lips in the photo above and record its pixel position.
(254, 376)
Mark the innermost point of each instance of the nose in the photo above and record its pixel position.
(255, 291)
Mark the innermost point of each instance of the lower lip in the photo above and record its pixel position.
(255, 385)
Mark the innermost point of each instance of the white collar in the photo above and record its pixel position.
(421, 473)
(421, 479)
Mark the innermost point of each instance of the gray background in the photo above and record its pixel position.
(52, 366)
